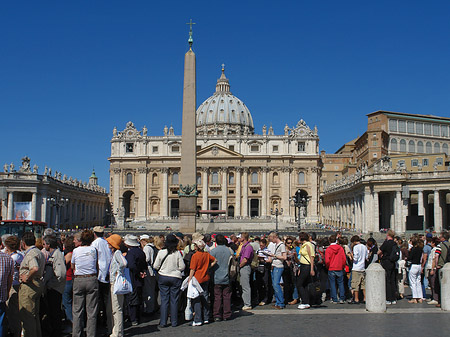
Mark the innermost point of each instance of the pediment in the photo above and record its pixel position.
(217, 151)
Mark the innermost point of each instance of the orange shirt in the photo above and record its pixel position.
(200, 263)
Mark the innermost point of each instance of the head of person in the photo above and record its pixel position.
(3, 239)
(444, 236)
(371, 242)
(263, 243)
(220, 240)
(50, 242)
(332, 238)
(69, 244)
(289, 242)
(158, 242)
(99, 231)
(303, 237)
(114, 242)
(77, 239)
(313, 236)
(207, 238)
(199, 245)
(28, 239)
(435, 241)
(86, 238)
(390, 234)
(144, 240)
(171, 243)
(355, 239)
(244, 237)
(12, 243)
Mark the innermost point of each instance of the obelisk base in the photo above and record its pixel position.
(187, 214)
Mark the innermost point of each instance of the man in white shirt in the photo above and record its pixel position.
(104, 259)
(359, 268)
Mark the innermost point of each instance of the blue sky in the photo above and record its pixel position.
(72, 70)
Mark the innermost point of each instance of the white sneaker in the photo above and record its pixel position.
(388, 302)
(196, 324)
(303, 306)
(246, 307)
(394, 302)
(433, 302)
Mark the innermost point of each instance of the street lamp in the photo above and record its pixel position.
(300, 200)
(276, 213)
(57, 202)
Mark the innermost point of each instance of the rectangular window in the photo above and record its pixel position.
(275, 148)
(231, 191)
(439, 161)
(175, 148)
(410, 126)
(425, 162)
(231, 147)
(419, 128)
(401, 163)
(254, 148)
(414, 162)
(393, 125)
(444, 130)
(374, 143)
(129, 147)
(436, 130)
(154, 149)
(301, 147)
(401, 126)
(427, 129)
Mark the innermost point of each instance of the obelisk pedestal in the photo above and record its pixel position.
(188, 188)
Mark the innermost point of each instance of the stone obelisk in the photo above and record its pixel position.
(188, 188)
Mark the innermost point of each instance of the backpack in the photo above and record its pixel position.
(447, 258)
(233, 268)
(395, 253)
(319, 257)
(187, 259)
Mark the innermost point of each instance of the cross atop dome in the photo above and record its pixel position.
(223, 85)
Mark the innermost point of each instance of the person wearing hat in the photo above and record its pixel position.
(118, 263)
(200, 263)
(169, 264)
(149, 290)
(138, 266)
(104, 259)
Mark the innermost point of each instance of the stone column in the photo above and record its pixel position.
(237, 211)
(285, 192)
(165, 186)
(398, 227)
(245, 193)
(142, 205)
(421, 209)
(264, 191)
(313, 203)
(367, 211)
(33, 205)
(437, 212)
(205, 171)
(224, 171)
(375, 211)
(44, 207)
(116, 188)
(10, 206)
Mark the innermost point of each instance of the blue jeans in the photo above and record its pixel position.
(169, 289)
(338, 275)
(276, 278)
(3, 327)
(67, 300)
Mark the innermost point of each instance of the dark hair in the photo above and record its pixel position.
(171, 243)
(220, 240)
(302, 236)
(372, 242)
(12, 242)
(445, 235)
(264, 241)
(68, 244)
(332, 238)
(207, 237)
(99, 234)
(87, 236)
(355, 238)
(313, 236)
(29, 239)
(51, 241)
(436, 240)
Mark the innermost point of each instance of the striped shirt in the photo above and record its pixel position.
(6, 273)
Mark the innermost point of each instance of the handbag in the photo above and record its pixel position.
(122, 284)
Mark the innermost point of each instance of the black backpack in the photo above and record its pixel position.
(395, 253)
(447, 259)
(187, 259)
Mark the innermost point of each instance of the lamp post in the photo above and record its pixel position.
(276, 212)
(57, 202)
(300, 201)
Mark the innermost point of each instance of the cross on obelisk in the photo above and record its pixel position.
(188, 188)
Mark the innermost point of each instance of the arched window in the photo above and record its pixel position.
(129, 179)
(175, 180)
(393, 144)
(275, 178)
(419, 147)
(437, 148)
(445, 148)
(402, 145)
(428, 147)
(411, 146)
(231, 179)
(254, 177)
(154, 179)
(301, 177)
(214, 178)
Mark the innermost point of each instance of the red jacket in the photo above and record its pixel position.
(335, 257)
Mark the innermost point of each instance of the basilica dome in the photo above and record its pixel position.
(224, 111)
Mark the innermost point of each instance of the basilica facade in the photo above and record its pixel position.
(241, 174)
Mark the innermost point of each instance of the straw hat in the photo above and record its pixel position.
(132, 241)
(114, 240)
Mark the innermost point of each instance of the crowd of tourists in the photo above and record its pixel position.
(74, 283)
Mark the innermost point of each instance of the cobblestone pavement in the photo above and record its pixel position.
(347, 320)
